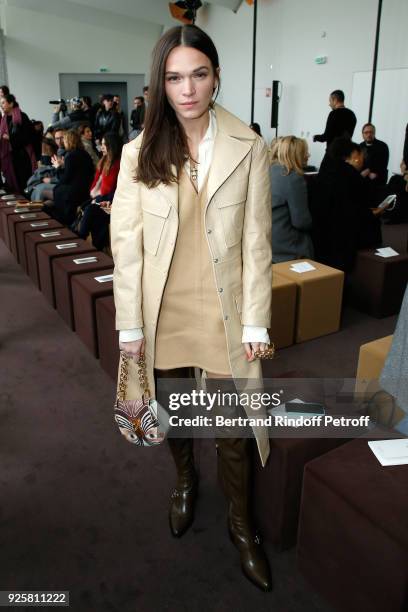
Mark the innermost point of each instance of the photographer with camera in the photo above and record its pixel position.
(73, 119)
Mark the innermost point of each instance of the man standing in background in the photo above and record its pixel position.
(340, 122)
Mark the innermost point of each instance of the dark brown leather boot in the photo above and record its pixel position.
(234, 461)
(183, 498)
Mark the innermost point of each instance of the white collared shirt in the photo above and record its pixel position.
(205, 151)
(250, 333)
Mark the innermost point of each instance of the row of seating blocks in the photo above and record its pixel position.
(68, 282)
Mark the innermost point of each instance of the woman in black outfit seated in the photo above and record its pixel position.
(74, 182)
(344, 207)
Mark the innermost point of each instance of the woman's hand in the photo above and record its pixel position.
(378, 211)
(6, 137)
(106, 207)
(251, 347)
(134, 349)
(56, 161)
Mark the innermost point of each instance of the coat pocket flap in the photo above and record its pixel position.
(225, 203)
(157, 207)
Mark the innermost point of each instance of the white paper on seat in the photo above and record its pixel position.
(104, 279)
(390, 452)
(302, 266)
(386, 252)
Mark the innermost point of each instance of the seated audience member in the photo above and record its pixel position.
(95, 218)
(376, 156)
(38, 135)
(107, 170)
(17, 157)
(45, 176)
(137, 117)
(398, 185)
(344, 207)
(48, 150)
(41, 184)
(87, 140)
(290, 212)
(74, 182)
(107, 119)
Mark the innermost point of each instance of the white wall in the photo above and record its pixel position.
(40, 45)
(291, 33)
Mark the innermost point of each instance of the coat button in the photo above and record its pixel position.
(209, 231)
(216, 260)
(220, 289)
(226, 318)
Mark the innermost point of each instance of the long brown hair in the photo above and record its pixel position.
(164, 139)
(113, 143)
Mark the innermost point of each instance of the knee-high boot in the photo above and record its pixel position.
(183, 497)
(234, 462)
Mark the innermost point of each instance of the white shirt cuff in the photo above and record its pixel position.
(252, 333)
(130, 335)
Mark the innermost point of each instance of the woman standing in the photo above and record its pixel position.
(191, 239)
(291, 217)
(17, 157)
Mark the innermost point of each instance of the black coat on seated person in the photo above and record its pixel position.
(342, 219)
(73, 186)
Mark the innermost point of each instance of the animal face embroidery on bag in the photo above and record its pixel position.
(137, 421)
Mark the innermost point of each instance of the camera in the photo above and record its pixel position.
(61, 102)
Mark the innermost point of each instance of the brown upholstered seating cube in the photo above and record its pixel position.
(35, 239)
(371, 361)
(47, 253)
(282, 328)
(319, 298)
(278, 486)
(378, 283)
(353, 530)
(22, 229)
(14, 221)
(108, 337)
(86, 290)
(64, 268)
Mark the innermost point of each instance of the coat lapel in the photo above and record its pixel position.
(232, 144)
(228, 153)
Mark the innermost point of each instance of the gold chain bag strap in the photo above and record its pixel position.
(141, 421)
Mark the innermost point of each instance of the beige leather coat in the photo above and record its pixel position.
(144, 225)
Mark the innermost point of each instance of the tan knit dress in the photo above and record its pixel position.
(190, 330)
